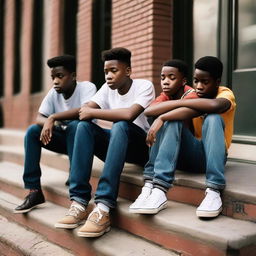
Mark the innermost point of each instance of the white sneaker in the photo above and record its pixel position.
(156, 202)
(211, 206)
(145, 193)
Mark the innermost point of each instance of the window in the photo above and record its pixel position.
(37, 46)
(1, 48)
(69, 26)
(17, 44)
(101, 39)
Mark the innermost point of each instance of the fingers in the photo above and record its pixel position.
(151, 139)
(46, 136)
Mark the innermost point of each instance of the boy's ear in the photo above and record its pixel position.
(218, 80)
(128, 71)
(184, 81)
(73, 76)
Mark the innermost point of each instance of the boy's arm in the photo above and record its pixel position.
(48, 122)
(218, 105)
(127, 114)
(181, 114)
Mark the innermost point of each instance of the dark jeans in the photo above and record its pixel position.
(62, 142)
(125, 142)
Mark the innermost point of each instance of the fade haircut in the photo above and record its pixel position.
(66, 61)
(119, 53)
(179, 64)
(210, 64)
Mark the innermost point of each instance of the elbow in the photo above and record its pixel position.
(148, 112)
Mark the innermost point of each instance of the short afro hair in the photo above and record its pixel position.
(118, 53)
(179, 64)
(66, 61)
(210, 64)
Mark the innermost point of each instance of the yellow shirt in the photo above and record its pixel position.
(228, 116)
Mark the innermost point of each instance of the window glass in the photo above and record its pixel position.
(205, 21)
(246, 48)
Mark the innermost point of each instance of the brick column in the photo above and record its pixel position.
(84, 39)
(144, 27)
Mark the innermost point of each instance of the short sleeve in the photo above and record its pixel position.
(101, 97)
(47, 107)
(146, 94)
(87, 91)
(227, 94)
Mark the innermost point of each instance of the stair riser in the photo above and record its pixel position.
(63, 238)
(231, 207)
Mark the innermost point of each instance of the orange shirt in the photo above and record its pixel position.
(228, 116)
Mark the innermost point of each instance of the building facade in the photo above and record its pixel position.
(32, 31)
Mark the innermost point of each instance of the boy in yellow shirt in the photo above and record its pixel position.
(204, 151)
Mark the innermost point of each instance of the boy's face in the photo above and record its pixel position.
(117, 74)
(206, 86)
(172, 80)
(62, 79)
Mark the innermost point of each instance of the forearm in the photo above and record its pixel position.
(113, 114)
(65, 115)
(180, 114)
(201, 105)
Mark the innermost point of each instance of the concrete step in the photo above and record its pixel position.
(174, 228)
(26, 242)
(114, 243)
(244, 153)
(239, 197)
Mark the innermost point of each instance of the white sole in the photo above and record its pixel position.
(149, 210)
(208, 214)
(28, 210)
(68, 226)
(87, 234)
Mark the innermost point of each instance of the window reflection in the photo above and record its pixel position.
(246, 54)
(205, 21)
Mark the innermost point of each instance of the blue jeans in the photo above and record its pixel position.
(62, 142)
(125, 142)
(176, 147)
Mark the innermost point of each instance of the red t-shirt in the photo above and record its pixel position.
(189, 93)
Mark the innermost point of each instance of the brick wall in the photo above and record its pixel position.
(138, 26)
(142, 26)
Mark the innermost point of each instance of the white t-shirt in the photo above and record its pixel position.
(54, 102)
(141, 92)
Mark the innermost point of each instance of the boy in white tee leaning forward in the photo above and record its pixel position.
(55, 124)
(122, 101)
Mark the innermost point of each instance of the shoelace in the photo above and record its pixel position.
(97, 211)
(75, 209)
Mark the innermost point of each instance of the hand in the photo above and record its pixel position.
(155, 127)
(85, 113)
(46, 133)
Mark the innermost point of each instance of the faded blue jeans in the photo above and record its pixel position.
(176, 147)
(125, 142)
(62, 142)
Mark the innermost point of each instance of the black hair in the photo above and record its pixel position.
(179, 64)
(118, 53)
(210, 64)
(66, 61)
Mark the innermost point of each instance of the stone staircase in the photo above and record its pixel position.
(174, 231)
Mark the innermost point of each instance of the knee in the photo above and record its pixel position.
(173, 124)
(72, 126)
(83, 125)
(33, 130)
(120, 126)
(213, 119)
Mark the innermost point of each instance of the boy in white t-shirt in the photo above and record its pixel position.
(55, 124)
(122, 101)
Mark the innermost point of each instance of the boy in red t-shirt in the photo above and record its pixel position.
(173, 83)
